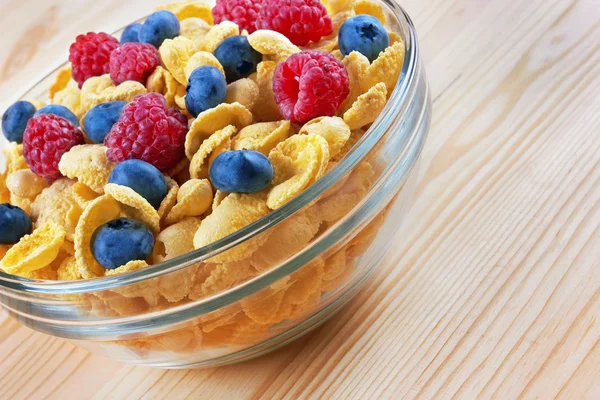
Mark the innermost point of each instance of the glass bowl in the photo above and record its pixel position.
(266, 284)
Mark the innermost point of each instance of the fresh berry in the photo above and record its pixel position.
(310, 84)
(302, 21)
(241, 171)
(133, 62)
(14, 224)
(131, 33)
(148, 131)
(120, 241)
(14, 120)
(101, 118)
(206, 89)
(243, 12)
(364, 34)
(90, 55)
(143, 178)
(237, 57)
(59, 110)
(46, 138)
(159, 26)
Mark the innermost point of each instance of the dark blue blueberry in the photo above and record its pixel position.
(206, 89)
(143, 178)
(61, 111)
(101, 118)
(131, 33)
(241, 171)
(119, 241)
(159, 26)
(364, 34)
(14, 224)
(14, 120)
(237, 57)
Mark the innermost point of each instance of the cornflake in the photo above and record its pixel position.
(262, 137)
(134, 205)
(243, 91)
(194, 198)
(189, 9)
(201, 59)
(332, 129)
(101, 89)
(62, 79)
(194, 29)
(70, 97)
(175, 55)
(215, 36)
(161, 81)
(271, 43)
(87, 164)
(367, 107)
(217, 143)
(268, 110)
(356, 64)
(170, 199)
(24, 183)
(370, 7)
(57, 204)
(385, 69)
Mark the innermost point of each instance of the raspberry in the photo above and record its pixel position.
(302, 21)
(133, 62)
(90, 55)
(148, 131)
(46, 138)
(242, 12)
(310, 84)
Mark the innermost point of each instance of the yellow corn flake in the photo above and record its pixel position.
(268, 110)
(214, 120)
(83, 194)
(227, 275)
(200, 164)
(385, 69)
(271, 43)
(180, 100)
(243, 91)
(194, 29)
(101, 89)
(332, 129)
(330, 285)
(367, 107)
(25, 183)
(363, 240)
(394, 38)
(235, 212)
(148, 289)
(337, 6)
(297, 162)
(14, 158)
(219, 196)
(340, 203)
(287, 239)
(4, 192)
(370, 7)
(355, 136)
(34, 251)
(262, 137)
(175, 55)
(57, 204)
(215, 36)
(3, 250)
(356, 64)
(170, 199)
(303, 285)
(22, 202)
(189, 9)
(70, 97)
(263, 307)
(161, 81)
(68, 270)
(201, 59)
(62, 79)
(335, 265)
(134, 205)
(98, 212)
(194, 198)
(88, 165)
(337, 54)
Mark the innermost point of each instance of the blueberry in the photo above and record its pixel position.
(206, 89)
(14, 120)
(131, 33)
(159, 26)
(143, 178)
(101, 118)
(14, 224)
(59, 110)
(121, 240)
(237, 57)
(241, 171)
(364, 34)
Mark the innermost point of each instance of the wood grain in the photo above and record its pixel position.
(493, 290)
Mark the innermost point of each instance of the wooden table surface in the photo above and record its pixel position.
(493, 288)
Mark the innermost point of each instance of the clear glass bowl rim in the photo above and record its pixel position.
(396, 105)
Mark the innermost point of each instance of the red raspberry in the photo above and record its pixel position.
(242, 12)
(310, 84)
(148, 131)
(46, 138)
(133, 62)
(90, 55)
(302, 21)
